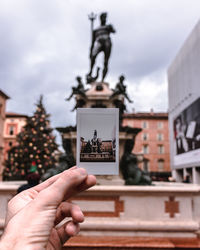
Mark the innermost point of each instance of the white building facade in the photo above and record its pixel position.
(184, 110)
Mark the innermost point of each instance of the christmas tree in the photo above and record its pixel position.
(36, 147)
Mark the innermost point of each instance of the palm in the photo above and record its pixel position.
(40, 209)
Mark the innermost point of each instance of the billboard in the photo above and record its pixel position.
(187, 135)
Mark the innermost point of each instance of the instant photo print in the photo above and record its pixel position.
(98, 140)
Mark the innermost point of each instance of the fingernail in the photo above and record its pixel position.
(73, 228)
(72, 168)
(82, 171)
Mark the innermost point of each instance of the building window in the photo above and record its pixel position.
(145, 149)
(146, 165)
(160, 125)
(11, 130)
(161, 165)
(144, 136)
(10, 144)
(160, 149)
(160, 137)
(144, 124)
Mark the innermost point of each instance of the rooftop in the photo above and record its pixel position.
(4, 95)
(147, 115)
(12, 114)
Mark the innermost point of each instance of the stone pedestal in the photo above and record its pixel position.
(102, 180)
(110, 180)
(163, 210)
(99, 95)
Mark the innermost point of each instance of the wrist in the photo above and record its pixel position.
(6, 245)
(6, 242)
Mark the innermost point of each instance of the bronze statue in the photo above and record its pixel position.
(79, 104)
(77, 90)
(122, 107)
(91, 79)
(101, 42)
(132, 174)
(120, 89)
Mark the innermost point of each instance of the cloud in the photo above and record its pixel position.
(148, 94)
(45, 45)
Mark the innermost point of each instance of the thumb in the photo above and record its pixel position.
(62, 188)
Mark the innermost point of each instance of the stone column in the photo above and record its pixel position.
(195, 175)
(177, 175)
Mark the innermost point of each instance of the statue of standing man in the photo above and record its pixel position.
(101, 42)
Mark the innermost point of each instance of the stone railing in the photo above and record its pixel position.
(7, 191)
(163, 210)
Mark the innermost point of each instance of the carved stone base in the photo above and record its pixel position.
(113, 180)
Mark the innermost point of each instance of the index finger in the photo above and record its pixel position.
(69, 183)
(50, 181)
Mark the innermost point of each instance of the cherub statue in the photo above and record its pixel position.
(120, 89)
(132, 174)
(79, 90)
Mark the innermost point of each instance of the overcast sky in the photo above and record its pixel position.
(45, 45)
(104, 124)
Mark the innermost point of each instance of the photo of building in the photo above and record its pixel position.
(97, 150)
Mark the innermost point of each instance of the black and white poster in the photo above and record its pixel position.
(187, 135)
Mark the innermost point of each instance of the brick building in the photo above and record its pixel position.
(13, 125)
(3, 99)
(152, 142)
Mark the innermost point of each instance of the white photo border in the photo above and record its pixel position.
(98, 168)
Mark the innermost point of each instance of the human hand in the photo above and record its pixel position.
(33, 215)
